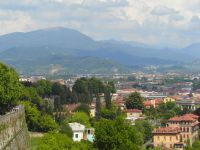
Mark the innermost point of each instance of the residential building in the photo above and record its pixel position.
(78, 131)
(178, 131)
(89, 134)
(168, 99)
(120, 103)
(168, 137)
(188, 125)
(154, 103)
(92, 110)
(191, 104)
(72, 107)
(133, 114)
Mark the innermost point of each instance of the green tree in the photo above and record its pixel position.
(66, 129)
(95, 86)
(57, 88)
(108, 114)
(188, 145)
(55, 141)
(81, 86)
(80, 117)
(44, 88)
(117, 134)
(83, 108)
(10, 88)
(145, 128)
(134, 101)
(46, 124)
(32, 116)
(111, 87)
(36, 121)
(196, 145)
(108, 98)
(98, 108)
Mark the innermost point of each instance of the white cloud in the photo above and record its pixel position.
(167, 22)
(163, 10)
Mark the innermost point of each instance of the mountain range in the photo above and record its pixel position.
(63, 50)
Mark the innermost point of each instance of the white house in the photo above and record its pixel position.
(78, 131)
(133, 114)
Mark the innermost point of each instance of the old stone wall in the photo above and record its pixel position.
(13, 130)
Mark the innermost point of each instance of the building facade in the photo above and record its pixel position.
(178, 132)
(78, 131)
(168, 137)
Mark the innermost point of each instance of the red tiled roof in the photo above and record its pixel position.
(186, 117)
(147, 103)
(158, 101)
(167, 130)
(72, 107)
(133, 110)
(119, 101)
(192, 115)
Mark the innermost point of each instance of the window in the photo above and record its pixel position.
(76, 135)
(88, 132)
(158, 138)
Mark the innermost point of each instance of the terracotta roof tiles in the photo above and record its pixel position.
(186, 117)
(167, 130)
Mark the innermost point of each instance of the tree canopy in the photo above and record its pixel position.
(10, 88)
(80, 117)
(135, 101)
(57, 141)
(117, 134)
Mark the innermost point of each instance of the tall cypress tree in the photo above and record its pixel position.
(98, 107)
(108, 98)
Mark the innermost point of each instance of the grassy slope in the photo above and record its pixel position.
(34, 142)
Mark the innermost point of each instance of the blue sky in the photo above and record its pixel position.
(156, 22)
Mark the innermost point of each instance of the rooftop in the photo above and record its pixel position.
(133, 110)
(167, 130)
(72, 107)
(77, 126)
(186, 117)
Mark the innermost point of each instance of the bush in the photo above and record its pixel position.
(46, 123)
(10, 88)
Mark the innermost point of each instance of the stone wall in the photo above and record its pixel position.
(13, 130)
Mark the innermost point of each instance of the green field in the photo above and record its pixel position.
(34, 142)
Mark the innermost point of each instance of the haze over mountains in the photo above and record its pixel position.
(65, 50)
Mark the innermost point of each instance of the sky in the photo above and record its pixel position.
(172, 23)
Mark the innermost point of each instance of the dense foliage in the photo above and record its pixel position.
(135, 101)
(57, 141)
(163, 112)
(117, 134)
(10, 88)
(145, 128)
(36, 121)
